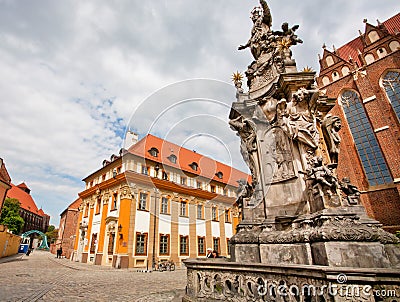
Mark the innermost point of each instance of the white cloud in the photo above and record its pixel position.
(73, 73)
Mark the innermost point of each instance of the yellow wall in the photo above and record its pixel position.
(9, 243)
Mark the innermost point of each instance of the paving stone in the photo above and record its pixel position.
(42, 277)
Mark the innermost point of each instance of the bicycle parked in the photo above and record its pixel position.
(168, 265)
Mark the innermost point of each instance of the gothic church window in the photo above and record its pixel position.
(366, 143)
(391, 83)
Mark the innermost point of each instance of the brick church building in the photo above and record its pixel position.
(364, 76)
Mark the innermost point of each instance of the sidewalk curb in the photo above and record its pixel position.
(15, 257)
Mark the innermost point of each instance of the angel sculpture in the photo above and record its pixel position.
(288, 34)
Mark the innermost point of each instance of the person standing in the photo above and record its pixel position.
(209, 253)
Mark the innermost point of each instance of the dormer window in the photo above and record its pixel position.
(219, 174)
(194, 166)
(172, 158)
(114, 157)
(153, 152)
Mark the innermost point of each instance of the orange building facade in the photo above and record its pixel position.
(364, 76)
(154, 202)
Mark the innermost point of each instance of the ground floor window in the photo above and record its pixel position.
(164, 244)
(184, 245)
(141, 244)
(201, 246)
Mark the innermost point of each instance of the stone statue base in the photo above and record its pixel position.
(340, 237)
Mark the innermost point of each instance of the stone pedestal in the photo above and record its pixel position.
(246, 252)
(350, 254)
(296, 253)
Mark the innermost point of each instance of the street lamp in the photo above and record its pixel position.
(120, 231)
(153, 264)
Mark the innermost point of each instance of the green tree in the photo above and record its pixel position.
(52, 234)
(10, 215)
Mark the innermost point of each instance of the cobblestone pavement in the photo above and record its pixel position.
(42, 277)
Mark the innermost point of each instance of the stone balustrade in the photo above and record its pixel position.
(221, 280)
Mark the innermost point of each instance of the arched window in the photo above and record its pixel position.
(325, 80)
(345, 71)
(373, 36)
(369, 58)
(366, 143)
(381, 52)
(329, 61)
(391, 83)
(335, 75)
(394, 45)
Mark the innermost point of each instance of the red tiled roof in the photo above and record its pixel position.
(25, 199)
(351, 48)
(75, 204)
(393, 24)
(207, 167)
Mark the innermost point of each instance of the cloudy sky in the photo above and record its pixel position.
(75, 74)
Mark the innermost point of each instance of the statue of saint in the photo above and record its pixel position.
(248, 147)
(331, 125)
(261, 33)
(301, 118)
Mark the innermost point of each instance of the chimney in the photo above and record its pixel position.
(131, 139)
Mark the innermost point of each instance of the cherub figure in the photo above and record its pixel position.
(288, 33)
(323, 175)
(351, 191)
